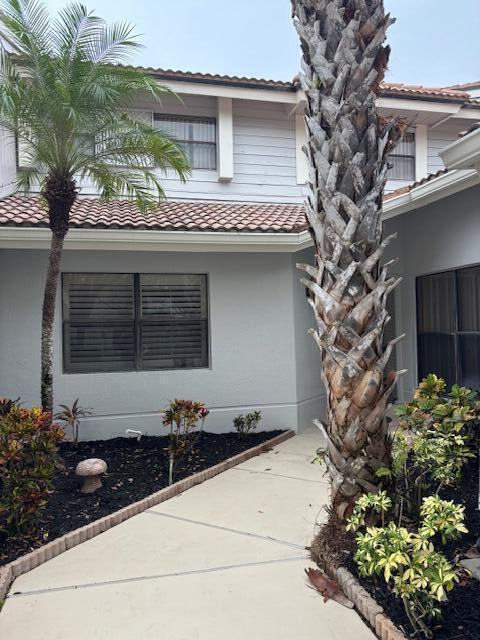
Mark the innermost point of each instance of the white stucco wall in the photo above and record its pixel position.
(256, 329)
(441, 236)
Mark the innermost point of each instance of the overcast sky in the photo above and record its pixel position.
(434, 42)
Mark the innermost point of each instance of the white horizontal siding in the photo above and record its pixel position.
(263, 154)
(437, 139)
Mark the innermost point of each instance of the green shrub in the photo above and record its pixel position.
(247, 423)
(28, 455)
(417, 574)
(432, 444)
(185, 419)
(6, 404)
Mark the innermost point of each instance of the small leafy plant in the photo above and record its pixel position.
(245, 424)
(378, 503)
(442, 517)
(28, 457)
(434, 440)
(71, 416)
(185, 419)
(408, 561)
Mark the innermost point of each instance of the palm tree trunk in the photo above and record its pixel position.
(48, 317)
(344, 61)
(60, 194)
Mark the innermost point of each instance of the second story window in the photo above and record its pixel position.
(403, 160)
(196, 135)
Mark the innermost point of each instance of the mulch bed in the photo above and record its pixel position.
(135, 470)
(461, 614)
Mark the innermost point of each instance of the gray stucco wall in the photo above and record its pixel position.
(441, 236)
(256, 329)
(310, 389)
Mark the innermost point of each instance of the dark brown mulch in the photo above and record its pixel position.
(461, 614)
(135, 470)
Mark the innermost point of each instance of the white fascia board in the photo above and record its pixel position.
(463, 153)
(468, 113)
(147, 240)
(445, 185)
(406, 104)
(237, 93)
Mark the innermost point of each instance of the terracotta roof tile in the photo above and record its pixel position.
(402, 190)
(465, 86)
(217, 78)
(420, 90)
(388, 88)
(169, 215)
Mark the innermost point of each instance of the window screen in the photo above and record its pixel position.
(403, 159)
(448, 323)
(197, 136)
(128, 322)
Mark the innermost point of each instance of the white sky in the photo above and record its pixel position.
(434, 42)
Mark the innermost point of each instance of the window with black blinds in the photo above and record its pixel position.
(448, 323)
(197, 136)
(402, 159)
(129, 322)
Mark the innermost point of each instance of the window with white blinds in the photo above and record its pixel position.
(197, 136)
(402, 159)
(134, 322)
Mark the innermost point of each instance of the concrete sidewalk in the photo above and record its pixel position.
(223, 560)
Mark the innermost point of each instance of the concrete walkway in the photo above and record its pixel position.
(223, 561)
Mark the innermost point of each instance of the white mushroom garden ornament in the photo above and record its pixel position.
(91, 471)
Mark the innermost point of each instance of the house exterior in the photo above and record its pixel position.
(201, 298)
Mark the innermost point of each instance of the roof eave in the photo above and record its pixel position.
(463, 153)
(95, 239)
(430, 191)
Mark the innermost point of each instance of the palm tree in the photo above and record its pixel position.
(344, 62)
(65, 96)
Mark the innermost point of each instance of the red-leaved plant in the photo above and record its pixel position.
(28, 456)
(185, 420)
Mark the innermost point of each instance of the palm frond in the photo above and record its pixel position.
(139, 184)
(28, 178)
(75, 28)
(27, 23)
(68, 86)
(115, 43)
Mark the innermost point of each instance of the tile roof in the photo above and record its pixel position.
(388, 88)
(465, 86)
(170, 215)
(217, 78)
(407, 188)
(420, 90)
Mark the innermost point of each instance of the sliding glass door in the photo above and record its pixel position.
(448, 326)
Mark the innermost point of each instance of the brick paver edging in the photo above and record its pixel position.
(52, 549)
(367, 606)
(363, 601)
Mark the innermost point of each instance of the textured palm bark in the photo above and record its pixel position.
(60, 196)
(344, 61)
